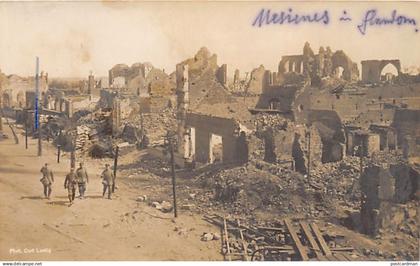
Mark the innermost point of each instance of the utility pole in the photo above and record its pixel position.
(1, 110)
(115, 167)
(26, 131)
(37, 106)
(361, 151)
(58, 153)
(171, 149)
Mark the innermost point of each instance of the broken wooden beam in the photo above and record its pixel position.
(324, 247)
(227, 239)
(311, 239)
(300, 248)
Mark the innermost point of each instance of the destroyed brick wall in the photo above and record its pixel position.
(203, 77)
(378, 188)
(407, 181)
(107, 98)
(407, 124)
(278, 145)
(384, 189)
(277, 136)
(358, 104)
(279, 98)
(304, 136)
(362, 142)
(222, 74)
(328, 124)
(258, 82)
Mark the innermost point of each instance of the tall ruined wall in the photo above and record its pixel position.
(384, 188)
(316, 66)
(205, 76)
(258, 82)
(407, 124)
(371, 69)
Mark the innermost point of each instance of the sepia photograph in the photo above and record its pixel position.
(209, 132)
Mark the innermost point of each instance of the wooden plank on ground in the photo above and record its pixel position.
(340, 257)
(312, 241)
(342, 249)
(347, 256)
(296, 240)
(324, 247)
(227, 239)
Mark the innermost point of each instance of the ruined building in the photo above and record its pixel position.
(317, 66)
(203, 136)
(154, 88)
(19, 92)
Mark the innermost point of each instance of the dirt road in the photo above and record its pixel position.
(33, 228)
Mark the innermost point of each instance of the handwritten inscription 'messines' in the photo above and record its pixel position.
(370, 19)
(267, 17)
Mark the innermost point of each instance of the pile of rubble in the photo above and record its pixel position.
(337, 181)
(242, 190)
(264, 121)
(82, 139)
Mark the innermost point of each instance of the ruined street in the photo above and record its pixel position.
(210, 131)
(91, 229)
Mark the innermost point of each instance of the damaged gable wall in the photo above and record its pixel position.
(205, 77)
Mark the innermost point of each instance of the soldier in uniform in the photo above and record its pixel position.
(47, 180)
(82, 179)
(70, 185)
(107, 180)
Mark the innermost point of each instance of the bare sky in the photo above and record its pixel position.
(72, 38)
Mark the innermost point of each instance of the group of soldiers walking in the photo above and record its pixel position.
(79, 179)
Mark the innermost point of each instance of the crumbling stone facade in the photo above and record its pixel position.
(316, 66)
(372, 69)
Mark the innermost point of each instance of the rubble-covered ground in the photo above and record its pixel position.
(263, 193)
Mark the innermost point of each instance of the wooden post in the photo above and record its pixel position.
(309, 154)
(115, 167)
(58, 153)
(361, 157)
(26, 132)
(1, 112)
(171, 147)
(40, 139)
